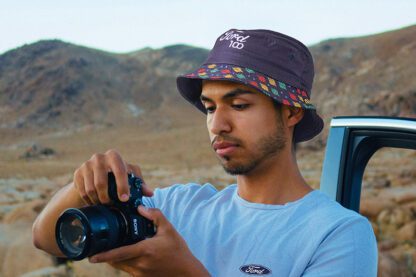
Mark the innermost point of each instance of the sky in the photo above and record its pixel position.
(127, 25)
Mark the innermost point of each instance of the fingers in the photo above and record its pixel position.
(135, 169)
(147, 191)
(79, 185)
(90, 187)
(101, 184)
(119, 168)
(91, 178)
(155, 215)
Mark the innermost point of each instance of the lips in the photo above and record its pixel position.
(223, 148)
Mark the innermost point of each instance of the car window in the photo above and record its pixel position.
(388, 200)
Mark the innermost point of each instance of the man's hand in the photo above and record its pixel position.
(91, 178)
(166, 254)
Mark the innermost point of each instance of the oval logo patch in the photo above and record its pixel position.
(255, 269)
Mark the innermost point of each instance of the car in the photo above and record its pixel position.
(351, 142)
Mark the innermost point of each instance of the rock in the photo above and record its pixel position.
(62, 180)
(411, 206)
(376, 229)
(371, 207)
(407, 196)
(408, 173)
(391, 219)
(6, 199)
(401, 252)
(407, 232)
(25, 212)
(380, 183)
(6, 209)
(412, 256)
(85, 268)
(20, 256)
(59, 271)
(30, 195)
(399, 194)
(13, 195)
(37, 151)
(388, 266)
(387, 245)
(397, 216)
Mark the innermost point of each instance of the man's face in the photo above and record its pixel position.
(244, 126)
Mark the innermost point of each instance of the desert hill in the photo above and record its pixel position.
(60, 103)
(372, 75)
(53, 84)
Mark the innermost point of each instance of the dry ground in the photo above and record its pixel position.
(167, 153)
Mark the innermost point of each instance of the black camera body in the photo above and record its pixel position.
(86, 231)
(138, 227)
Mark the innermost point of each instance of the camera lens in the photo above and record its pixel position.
(84, 232)
(73, 235)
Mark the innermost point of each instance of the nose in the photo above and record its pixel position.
(219, 122)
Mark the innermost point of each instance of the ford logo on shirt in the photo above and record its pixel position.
(254, 269)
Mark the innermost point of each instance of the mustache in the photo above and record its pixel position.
(226, 138)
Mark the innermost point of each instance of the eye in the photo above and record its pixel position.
(210, 109)
(240, 107)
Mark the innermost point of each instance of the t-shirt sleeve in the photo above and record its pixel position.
(350, 249)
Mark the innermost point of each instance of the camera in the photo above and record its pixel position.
(89, 230)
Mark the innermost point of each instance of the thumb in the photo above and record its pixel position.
(147, 191)
(155, 215)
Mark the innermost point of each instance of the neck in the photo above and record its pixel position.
(276, 180)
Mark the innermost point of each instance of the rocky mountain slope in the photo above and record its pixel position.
(56, 87)
(52, 84)
(372, 75)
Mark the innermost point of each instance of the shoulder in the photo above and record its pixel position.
(325, 219)
(343, 237)
(328, 211)
(336, 221)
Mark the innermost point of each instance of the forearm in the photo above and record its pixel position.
(43, 230)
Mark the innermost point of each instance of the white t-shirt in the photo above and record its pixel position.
(312, 236)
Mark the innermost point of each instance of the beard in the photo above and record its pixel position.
(265, 148)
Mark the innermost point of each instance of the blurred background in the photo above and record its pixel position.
(82, 77)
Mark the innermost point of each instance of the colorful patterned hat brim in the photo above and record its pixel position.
(279, 91)
(190, 86)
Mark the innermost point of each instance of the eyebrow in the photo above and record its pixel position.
(229, 95)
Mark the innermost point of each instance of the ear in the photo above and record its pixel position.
(294, 115)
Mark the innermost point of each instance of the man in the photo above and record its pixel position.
(255, 88)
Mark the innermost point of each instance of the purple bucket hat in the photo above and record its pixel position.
(275, 64)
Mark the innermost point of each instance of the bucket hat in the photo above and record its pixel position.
(275, 64)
